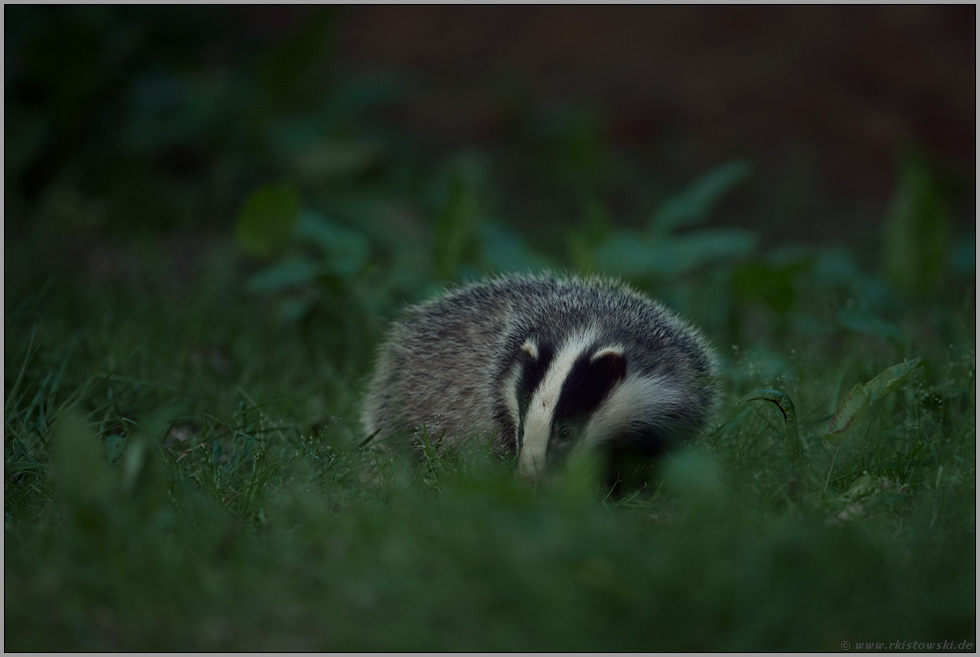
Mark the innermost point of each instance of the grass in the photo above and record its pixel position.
(182, 461)
(169, 492)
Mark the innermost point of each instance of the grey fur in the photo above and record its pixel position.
(449, 362)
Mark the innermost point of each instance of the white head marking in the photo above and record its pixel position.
(541, 410)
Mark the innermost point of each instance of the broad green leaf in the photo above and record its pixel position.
(457, 222)
(293, 272)
(917, 230)
(504, 250)
(577, 145)
(836, 266)
(695, 249)
(890, 379)
(849, 409)
(860, 487)
(318, 161)
(694, 203)
(595, 228)
(79, 467)
(312, 154)
(345, 251)
(597, 224)
(144, 477)
(579, 251)
(267, 218)
(294, 310)
(863, 395)
(628, 254)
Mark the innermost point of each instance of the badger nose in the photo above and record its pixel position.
(528, 474)
(528, 467)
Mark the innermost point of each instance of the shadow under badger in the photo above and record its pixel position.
(545, 367)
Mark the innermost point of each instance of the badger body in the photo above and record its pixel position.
(543, 367)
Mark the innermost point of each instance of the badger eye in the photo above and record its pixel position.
(565, 433)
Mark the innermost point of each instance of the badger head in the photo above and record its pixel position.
(581, 395)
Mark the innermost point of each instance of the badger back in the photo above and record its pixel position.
(432, 371)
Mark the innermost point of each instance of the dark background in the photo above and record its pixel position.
(827, 95)
(822, 99)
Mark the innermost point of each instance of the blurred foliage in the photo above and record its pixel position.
(917, 232)
(266, 219)
(693, 205)
(206, 230)
(455, 227)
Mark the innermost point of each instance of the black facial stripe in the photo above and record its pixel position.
(588, 383)
(532, 372)
(560, 447)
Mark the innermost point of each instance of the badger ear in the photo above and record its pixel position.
(530, 347)
(606, 351)
(609, 366)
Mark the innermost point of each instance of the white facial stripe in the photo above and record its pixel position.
(650, 398)
(510, 393)
(537, 422)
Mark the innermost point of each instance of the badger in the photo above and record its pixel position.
(544, 367)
